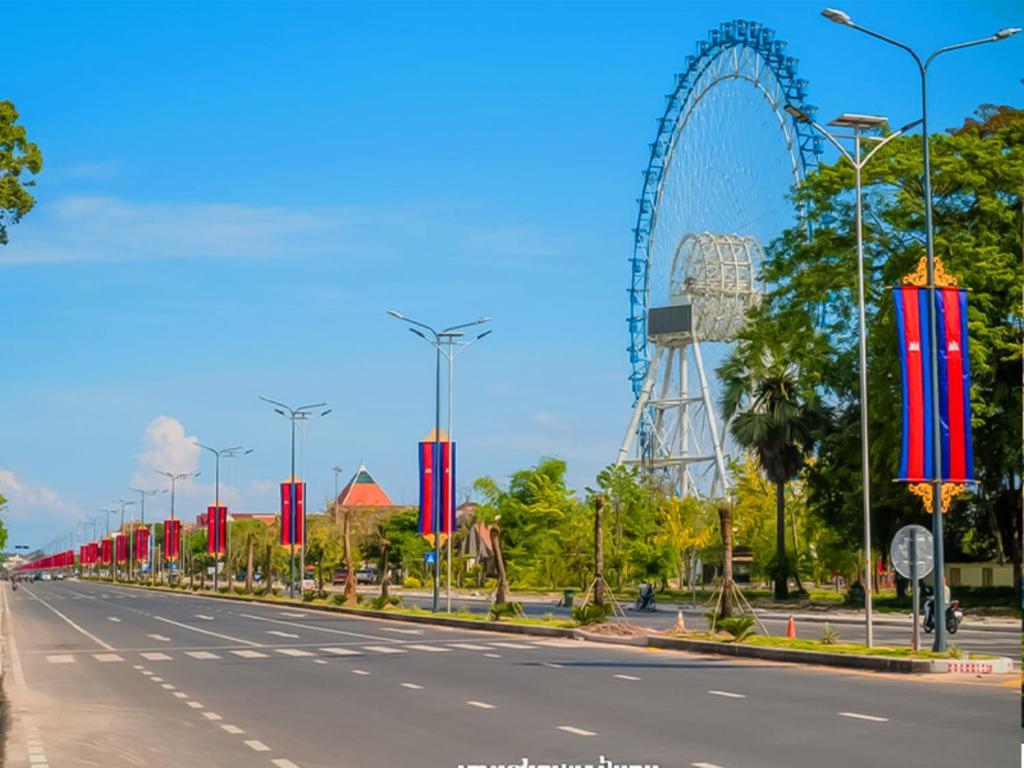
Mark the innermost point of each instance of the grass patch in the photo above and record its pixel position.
(800, 644)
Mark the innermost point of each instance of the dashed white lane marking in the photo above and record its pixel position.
(194, 704)
(229, 638)
(146, 672)
(493, 655)
(469, 646)
(282, 763)
(517, 646)
(250, 654)
(430, 648)
(180, 695)
(626, 677)
(314, 627)
(577, 731)
(257, 746)
(728, 695)
(319, 661)
(61, 658)
(234, 730)
(202, 655)
(160, 638)
(212, 716)
(157, 679)
(705, 765)
(412, 686)
(293, 652)
(552, 664)
(279, 633)
(341, 651)
(402, 631)
(137, 666)
(204, 617)
(293, 615)
(360, 672)
(167, 687)
(859, 716)
(383, 649)
(480, 704)
(107, 657)
(114, 619)
(155, 656)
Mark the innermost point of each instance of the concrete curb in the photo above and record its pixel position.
(889, 664)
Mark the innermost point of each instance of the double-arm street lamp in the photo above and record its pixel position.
(444, 342)
(174, 478)
(143, 493)
(235, 450)
(302, 413)
(129, 548)
(842, 18)
(858, 124)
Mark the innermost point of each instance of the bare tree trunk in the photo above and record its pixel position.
(598, 552)
(248, 570)
(796, 554)
(725, 521)
(501, 594)
(350, 576)
(782, 576)
(385, 577)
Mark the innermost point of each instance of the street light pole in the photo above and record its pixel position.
(446, 336)
(841, 18)
(301, 413)
(129, 549)
(142, 517)
(232, 454)
(232, 451)
(175, 477)
(859, 123)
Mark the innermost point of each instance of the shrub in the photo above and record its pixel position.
(411, 582)
(338, 599)
(954, 652)
(379, 603)
(505, 609)
(591, 613)
(275, 591)
(829, 636)
(223, 590)
(308, 597)
(239, 590)
(737, 627)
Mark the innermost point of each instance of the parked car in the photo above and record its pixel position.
(340, 575)
(366, 576)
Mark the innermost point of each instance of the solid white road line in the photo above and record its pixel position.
(493, 655)
(626, 677)
(412, 686)
(291, 615)
(155, 656)
(293, 652)
(234, 730)
(858, 716)
(728, 695)
(107, 657)
(402, 631)
(282, 763)
(383, 649)
(202, 655)
(204, 617)
(279, 633)
(250, 654)
(315, 628)
(319, 661)
(551, 664)
(61, 658)
(90, 635)
(237, 640)
(430, 648)
(517, 646)
(705, 765)
(341, 651)
(468, 646)
(480, 704)
(360, 672)
(258, 746)
(577, 731)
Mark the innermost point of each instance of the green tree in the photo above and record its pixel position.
(249, 539)
(978, 180)
(3, 528)
(776, 416)
(323, 545)
(17, 155)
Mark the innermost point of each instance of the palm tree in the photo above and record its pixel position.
(771, 414)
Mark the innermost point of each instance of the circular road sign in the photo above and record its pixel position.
(900, 550)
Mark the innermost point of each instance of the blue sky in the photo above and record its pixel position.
(234, 193)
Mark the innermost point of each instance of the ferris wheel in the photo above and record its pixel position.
(725, 158)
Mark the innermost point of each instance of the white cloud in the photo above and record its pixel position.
(166, 448)
(27, 499)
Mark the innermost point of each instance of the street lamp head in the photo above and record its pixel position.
(324, 413)
(393, 313)
(797, 113)
(419, 333)
(910, 126)
(278, 410)
(863, 122)
(485, 333)
(837, 16)
(1002, 34)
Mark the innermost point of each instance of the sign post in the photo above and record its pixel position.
(911, 553)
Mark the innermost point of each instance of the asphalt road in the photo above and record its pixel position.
(1005, 642)
(109, 676)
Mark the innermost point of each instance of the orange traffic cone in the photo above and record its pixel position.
(680, 624)
(791, 628)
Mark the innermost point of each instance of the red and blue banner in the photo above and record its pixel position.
(142, 544)
(121, 548)
(428, 456)
(216, 530)
(917, 455)
(172, 539)
(94, 552)
(107, 551)
(293, 528)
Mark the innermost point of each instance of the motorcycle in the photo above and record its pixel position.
(645, 600)
(954, 616)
